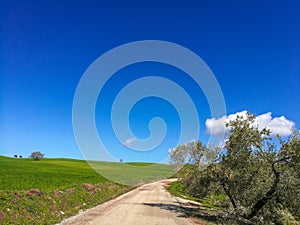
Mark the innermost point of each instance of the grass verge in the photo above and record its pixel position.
(177, 189)
(48, 207)
(210, 209)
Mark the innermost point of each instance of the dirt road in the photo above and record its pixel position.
(149, 204)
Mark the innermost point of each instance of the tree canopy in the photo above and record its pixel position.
(37, 155)
(259, 174)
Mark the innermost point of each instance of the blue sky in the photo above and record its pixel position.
(253, 49)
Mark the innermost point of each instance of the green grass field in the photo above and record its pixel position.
(45, 174)
(63, 187)
(133, 173)
(50, 174)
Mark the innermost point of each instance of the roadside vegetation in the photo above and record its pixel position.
(212, 201)
(253, 178)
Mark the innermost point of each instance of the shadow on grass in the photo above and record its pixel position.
(186, 210)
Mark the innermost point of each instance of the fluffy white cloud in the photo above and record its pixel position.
(277, 125)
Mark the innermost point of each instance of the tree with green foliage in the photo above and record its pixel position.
(191, 161)
(259, 174)
(192, 153)
(37, 155)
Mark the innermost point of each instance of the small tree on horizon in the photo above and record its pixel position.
(37, 155)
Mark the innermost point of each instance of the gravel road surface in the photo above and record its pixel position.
(148, 204)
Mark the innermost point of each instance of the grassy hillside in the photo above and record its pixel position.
(46, 174)
(50, 174)
(132, 173)
(49, 190)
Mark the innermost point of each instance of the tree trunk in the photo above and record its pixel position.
(269, 195)
(229, 196)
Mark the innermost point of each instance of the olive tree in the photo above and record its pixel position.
(255, 168)
(191, 161)
(259, 174)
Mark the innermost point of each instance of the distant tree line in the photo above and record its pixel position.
(34, 155)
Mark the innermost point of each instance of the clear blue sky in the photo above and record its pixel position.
(252, 47)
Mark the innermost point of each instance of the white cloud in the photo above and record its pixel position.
(129, 142)
(277, 125)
